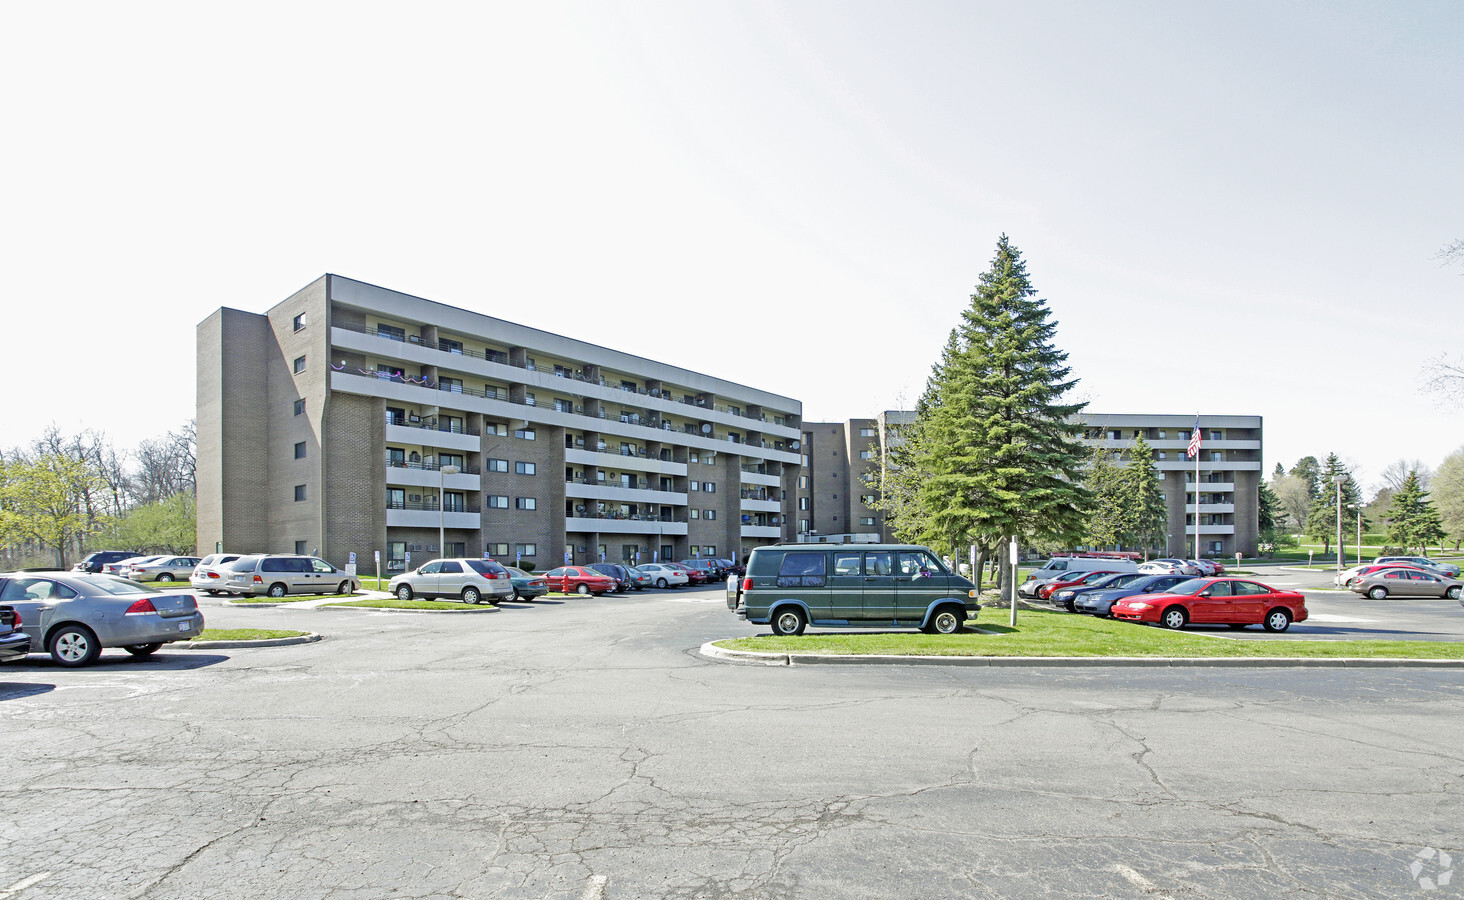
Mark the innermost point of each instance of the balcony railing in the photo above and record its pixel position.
(626, 517)
(428, 465)
(750, 494)
(635, 484)
(423, 505)
(431, 424)
(576, 375)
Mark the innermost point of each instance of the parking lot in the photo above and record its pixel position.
(580, 748)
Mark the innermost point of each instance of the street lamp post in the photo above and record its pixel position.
(1339, 526)
(442, 473)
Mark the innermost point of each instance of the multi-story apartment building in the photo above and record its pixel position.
(352, 418)
(832, 497)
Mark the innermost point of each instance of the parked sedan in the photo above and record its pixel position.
(73, 616)
(164, 568)
(1100, 602)
(579, 580)
(693, 576)
(469, 580)
(1346, 577)
(14, 643)
(1045, 591)
(94, 561)
(1207, 566)
(1169, 567)
(639, 579)
(1216, 601)
(1448, 570)
(664, 575)
(209, 574)
(123, 567)
(620, 574)
(1401, 582)
(1065, 597)
(526, 585)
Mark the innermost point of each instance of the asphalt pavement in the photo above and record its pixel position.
(580, 748)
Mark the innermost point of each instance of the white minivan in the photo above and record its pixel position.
(1059, 566)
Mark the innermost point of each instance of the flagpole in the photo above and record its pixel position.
(1197, 490)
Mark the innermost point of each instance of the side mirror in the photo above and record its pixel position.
(1205, 594)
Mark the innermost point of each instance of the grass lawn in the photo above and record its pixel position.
(1045, 633)
(394, 603)
(245, 634)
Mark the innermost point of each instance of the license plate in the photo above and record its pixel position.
(182, 626)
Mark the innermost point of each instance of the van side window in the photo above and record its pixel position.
(275, 564)
(803, 569)
(879, 563)
(846, 563)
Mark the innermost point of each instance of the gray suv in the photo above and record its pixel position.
(277, 576)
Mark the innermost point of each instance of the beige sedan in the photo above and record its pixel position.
(1406, 583)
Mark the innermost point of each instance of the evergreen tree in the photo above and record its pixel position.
(1280, 472)
(1415, 520)
(1321, 521)
(1308, 469)
(1107, 521)
(1146, 515)
(998, 452)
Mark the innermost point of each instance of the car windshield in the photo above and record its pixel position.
(1191, 587)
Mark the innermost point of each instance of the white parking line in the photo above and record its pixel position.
(24, 883)
(1139, 881)
(1325, 617)
(595, 889)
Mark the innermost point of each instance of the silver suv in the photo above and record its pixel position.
(277, 576)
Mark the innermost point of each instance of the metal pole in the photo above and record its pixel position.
(1014, 581)
(1359, 534)
(1339, 526)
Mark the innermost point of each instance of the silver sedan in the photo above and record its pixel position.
(73, 617)
(164, 568)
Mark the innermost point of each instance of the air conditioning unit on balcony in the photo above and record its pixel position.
(416, 498)
(415, 547)
(413, 417)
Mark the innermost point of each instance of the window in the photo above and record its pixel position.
(527, 549)
(866, 432)
(695, 456)
(496, 501)
(709, 486)
(526, 434)
(530, 364)
(866, 520)
(450, 346)
(802, 569)
(866, 454)
(1217, 456)
(867, 499)
(694, 550)
(300, 547)
(696, 485)
(391, 332)
(1162, 433)
(1163, 454)
(803, 482)
(300, 450)
(528, 398)
(710, 514)
(299, 322)
(803, 525)
(454, 501)
(695, 513)
(525, 468)
(562, 404)
(299, 492)
(452, 385)
(495, 549)
(299, 364)
(299, 407)
(396, 498)
(709, 550)
(525, 503)
(498, 465)
(803, 503)
(1217, 435)
(710, 458)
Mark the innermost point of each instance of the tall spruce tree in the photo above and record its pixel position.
(1414, 520)
(1107, 520)
(1146, 517)
(1321, 520)
(998, 450)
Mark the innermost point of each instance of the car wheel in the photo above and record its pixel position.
(404, 592)
(213, 593)
(583, 589)
(661, 583)
(166, 576)
(1378, 593)
(1174, 618)
(1454, 592)
(471, 595)
(278, 590)
(74, 645)
(142, 651)
(514, 596)
(344, 588)
(788, 621)
(947, 621)
(1278, 620)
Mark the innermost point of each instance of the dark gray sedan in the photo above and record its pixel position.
(73, 616)
(1100, 602)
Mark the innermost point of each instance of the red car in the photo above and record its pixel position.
(578, 580)
(1046, 590)
(1216, 601)
(694, 576)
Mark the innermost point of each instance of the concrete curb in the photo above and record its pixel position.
(710, 651)
(310, 638)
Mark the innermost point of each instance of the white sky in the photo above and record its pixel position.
(1230, 207)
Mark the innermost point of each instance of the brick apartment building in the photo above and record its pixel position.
(352, 418)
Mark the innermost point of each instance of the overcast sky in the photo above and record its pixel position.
(1231, 208)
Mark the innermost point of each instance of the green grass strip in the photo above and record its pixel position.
(1048, 633)
(289, 598)
(246, 634)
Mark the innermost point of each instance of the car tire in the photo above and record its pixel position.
(582, 589)
(142, 651)
(1278, 620)
(472, 595)
(661, 583)
(947, 620)
(1453, 592)
(1174, 618)
(277, 590)
(788, 622)
(213, 593)
(344, 588)
(74, 645)
(1378, 592)
(166, 576)
(404, 592)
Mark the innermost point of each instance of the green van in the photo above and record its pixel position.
(792, 586)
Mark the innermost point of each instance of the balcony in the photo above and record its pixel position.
(615, 492)
(427, 475)
(1206, 465)
(1206, 530)
(1210, 508)
(402, 431)
(430, 518)
(753, 475)
(608, 523)
(614, 459)
(762, 531)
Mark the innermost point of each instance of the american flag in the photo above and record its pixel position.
(1194, 444)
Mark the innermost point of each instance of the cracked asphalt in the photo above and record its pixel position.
(581, 749)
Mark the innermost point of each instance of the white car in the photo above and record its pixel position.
(1169, 567)
(664, 576)
(122, 568)
(1207, 566)
(210, 573)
